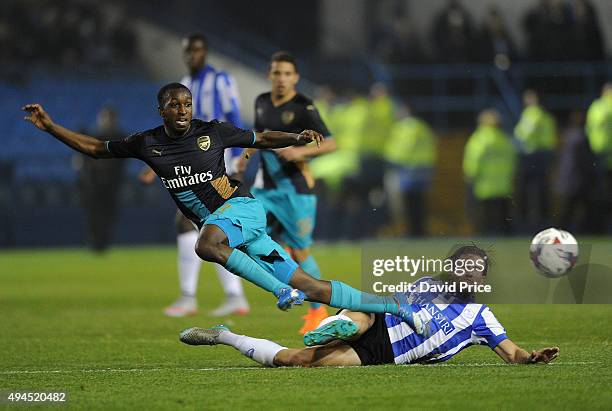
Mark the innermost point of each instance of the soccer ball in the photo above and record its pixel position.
(554, 252)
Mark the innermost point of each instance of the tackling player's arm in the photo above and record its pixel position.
(513, 354)
(80, 142)
(280, 139)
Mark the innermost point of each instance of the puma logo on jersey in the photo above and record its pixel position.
(157, 152)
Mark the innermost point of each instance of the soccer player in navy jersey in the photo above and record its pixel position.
(284, 184)
(215, 96)
(187, 156)
(357, 338)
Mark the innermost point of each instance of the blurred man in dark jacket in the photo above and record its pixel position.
(579, 181)
(99, 183)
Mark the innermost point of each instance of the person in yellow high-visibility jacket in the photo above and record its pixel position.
(599, 133)
(489, 165)
(536, 135)
(599, 126)
(410, 155)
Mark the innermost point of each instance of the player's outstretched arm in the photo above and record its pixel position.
(79, 142)
(513, 354)
(280, 139)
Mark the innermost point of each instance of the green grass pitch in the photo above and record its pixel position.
(92, 326)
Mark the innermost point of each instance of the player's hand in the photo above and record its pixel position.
(544, 356)
(147, 175)
(290, 154)
(38, 116)
(311, 135)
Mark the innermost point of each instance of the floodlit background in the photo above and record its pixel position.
(368, 64)
(456, 121)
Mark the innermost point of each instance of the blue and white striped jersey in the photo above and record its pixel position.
(215, 96)
(454, 326)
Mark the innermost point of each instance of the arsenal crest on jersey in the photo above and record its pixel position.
(204, 142)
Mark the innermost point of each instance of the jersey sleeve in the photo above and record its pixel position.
(131, 146)
(487, 326)
(232, 136)
(315, 122)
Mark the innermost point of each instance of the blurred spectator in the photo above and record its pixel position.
(537, 139)
(398, 42)
(453, 34)
(548, 29)
(495, 44)
(99, 183)
(579, 181)
(348, 127)
(410, 155)
(586, 41)
(489, 163)
(381, 118)
(599, 133)
(66, 33)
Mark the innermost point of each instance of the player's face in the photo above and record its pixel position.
(195, 55)
(472, 272)
(283, 77)
(176, 112)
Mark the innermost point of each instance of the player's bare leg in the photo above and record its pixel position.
(271, 354)
(213, 246)
(189, 264)
(333, 354)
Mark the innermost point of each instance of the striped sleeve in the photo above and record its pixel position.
(487, 326)
(229, 98)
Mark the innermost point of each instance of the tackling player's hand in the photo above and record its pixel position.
(38, 116)
(544, 356)
(311, 135)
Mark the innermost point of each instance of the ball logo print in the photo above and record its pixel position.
(554, 252)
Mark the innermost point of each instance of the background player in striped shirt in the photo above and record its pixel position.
(215, 96)
(356, 338)
(284, 184)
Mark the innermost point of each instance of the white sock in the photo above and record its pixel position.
(188, 263)
(257, 349)
(334, 318)
(232, 284)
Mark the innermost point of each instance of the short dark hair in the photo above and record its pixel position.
(285, 57)
(472, 249)
(197, 36)
(165, 91)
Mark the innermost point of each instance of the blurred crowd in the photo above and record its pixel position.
(554, 30)
(63, 33)
(378, 177)
(540, 174)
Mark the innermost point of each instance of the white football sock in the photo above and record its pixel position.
(188, 263)
(334, 318)
(257, 349)
(232, 284)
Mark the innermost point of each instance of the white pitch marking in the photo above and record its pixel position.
(136, 370)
